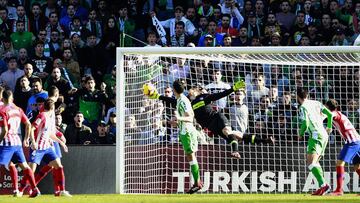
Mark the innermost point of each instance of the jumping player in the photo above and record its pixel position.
(350, 153)
(311, 116)
(215, 121)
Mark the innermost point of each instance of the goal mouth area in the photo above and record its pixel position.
(149, 162)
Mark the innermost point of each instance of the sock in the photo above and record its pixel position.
(60, 178)
(253, 139)
(317, 172)
(195, 171)
(233, 143)
(56, 187)
(42, 173)
(29, 175)
(340, 172)
(24, 181)
(14, 176)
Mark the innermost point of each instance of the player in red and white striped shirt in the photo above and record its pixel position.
(350, 153)
(42, 143)
(11, 150)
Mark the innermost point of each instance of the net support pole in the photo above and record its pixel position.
(120, 123)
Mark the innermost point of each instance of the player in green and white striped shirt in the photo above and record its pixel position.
(187, 132)
(312, 117)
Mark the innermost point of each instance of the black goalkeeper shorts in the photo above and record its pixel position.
(218, 123)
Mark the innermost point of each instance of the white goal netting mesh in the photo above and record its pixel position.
(154, 159)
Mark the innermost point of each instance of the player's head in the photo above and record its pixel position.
(301, 95)
(54, 92)
(7, 96)
(49, 105)
(179, 87)
(332, 105)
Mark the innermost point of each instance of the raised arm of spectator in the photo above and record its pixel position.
(238, 15)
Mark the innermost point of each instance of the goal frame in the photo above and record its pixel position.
(120, 81)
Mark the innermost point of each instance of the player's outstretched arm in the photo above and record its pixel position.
(216, 96)
(329, 116)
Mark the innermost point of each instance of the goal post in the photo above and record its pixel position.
(149, 157)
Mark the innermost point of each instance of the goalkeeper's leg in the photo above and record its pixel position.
(256, 139)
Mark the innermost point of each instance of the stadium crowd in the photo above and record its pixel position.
(71, 45)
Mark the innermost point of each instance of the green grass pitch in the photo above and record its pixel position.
(198, 198)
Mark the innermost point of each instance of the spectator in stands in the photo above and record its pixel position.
(274, 96)
(79, 11)
(217, 85)
(49, 7)
(112, 126)
(101, 135)
(254, 28)
(66, 74)
(37, 92)
(225, 28)
(287, 106)
(179, 39)
(305, 40)
(110, 81)
(9, 77)
(298, 29)
(23, 58)
(319, 89)
(313, 34)
(92, 59)
(54, 43)
(76, 27)
(191, 15)
(11, 10)
(21, 38)
(227, 40)
(179, 69)
(6, 24)
(23, 94)
(286, 17)
(91, 103)
(56, 80)
(308, 12)
(42, 65)
(71, 65)
(202, 26)
(339, 39)
(179, 16)
(37, 19)
(217, 38)
(326, 30)
(242, 39)
(260, 13)
(93, 25)
(281, 129)
(66, 20)
(60, 126)
(264, 112)
(276, 77)
(28, 72)
(53, 25)
(41, 37)
(7, 49)
(239, 112)
(77, 133)
(259, 89)
(104, 13)
(110, 40)
(206, 9)
(152, 40)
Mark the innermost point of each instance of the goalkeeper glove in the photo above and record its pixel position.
(239, 85)
(154, 95)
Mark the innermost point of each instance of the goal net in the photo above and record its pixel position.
(150, 158)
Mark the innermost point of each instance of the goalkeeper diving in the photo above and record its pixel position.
(213, 120)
